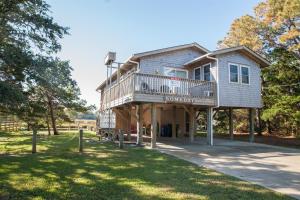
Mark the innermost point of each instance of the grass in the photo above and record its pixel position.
(103, 171)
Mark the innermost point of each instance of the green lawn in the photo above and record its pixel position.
(103, 171)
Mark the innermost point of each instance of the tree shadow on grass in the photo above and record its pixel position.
(106, 172)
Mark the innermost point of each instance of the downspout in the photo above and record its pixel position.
(218, 84)
(218, 99)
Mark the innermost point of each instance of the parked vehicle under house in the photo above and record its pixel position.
(165, 89)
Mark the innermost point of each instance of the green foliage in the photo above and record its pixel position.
(30, 81)
(32, 110)
(241, 120)
(26, 24)
(26, 29)
(221, 122)
(54, 79)
(11, 95)
(282, 89)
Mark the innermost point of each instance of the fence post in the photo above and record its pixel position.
(80, 140)
(121, 139)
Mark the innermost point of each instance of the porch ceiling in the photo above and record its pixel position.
(198, 61)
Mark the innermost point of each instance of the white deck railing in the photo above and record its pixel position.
(138, 83)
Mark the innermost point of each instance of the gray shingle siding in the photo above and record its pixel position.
(237, 94)
(176, 59)
(230, 94)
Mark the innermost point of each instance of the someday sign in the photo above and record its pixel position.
(182, 99)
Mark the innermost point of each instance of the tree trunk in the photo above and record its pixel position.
(269, 127)
(34, 133)
(259, 125)
(55, 132)
(48, 125)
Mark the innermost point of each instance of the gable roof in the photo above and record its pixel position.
(258, 58)
(136, 56)
(245, 50)
(168, 49)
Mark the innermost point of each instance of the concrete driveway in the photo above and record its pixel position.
(277, 168)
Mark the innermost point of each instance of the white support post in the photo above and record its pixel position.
(210, 133)
(139, 125)
(153, 126)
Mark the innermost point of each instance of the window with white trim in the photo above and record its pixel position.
(245, 75)
(233, 73)
(173, 72)
(206, 73)
(197, 73)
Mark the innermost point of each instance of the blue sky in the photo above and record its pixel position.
(132, 26)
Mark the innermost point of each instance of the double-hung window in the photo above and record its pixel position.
(233, 73)
(239, 73)
(206, 72)
(244, 74)
(197, 73)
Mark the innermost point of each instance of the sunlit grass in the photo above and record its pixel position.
(103, 171)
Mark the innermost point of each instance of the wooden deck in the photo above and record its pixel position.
(138, 87)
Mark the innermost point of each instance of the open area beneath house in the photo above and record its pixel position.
(104, 171)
